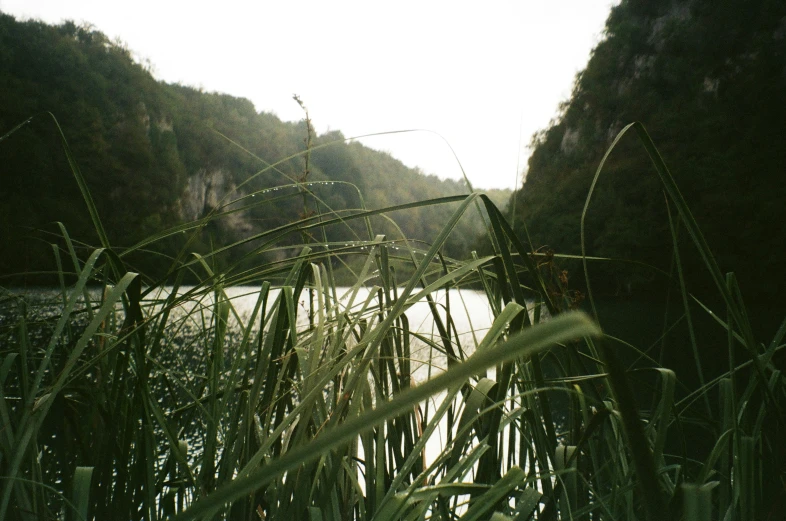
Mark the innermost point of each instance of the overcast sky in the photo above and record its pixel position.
(482, 75)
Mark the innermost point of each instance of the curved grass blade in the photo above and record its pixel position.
(526, 344)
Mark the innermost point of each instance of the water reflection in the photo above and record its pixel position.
(469, 312)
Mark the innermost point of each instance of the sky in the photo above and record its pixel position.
(476, 79)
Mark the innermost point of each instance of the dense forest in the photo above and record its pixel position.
(155, 155)
(255, 386)
(708, 81)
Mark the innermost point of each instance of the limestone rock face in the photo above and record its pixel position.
(707, 80)
(570, 140)
(209, 190)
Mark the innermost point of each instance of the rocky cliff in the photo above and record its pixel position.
(155, 155)
(708, 81)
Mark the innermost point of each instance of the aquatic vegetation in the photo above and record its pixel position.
(132, 398)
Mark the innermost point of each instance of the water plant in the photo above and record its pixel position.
(139, 398)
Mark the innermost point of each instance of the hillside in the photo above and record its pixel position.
(708, 81)
(155, 155)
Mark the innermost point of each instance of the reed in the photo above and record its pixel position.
(123, 397)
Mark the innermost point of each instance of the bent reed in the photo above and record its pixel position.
(124, 397)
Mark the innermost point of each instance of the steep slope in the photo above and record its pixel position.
(708, 81)
(155, 155)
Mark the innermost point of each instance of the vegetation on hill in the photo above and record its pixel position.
(305, 400)
(708, 81)
(155, 155)
(246, 383)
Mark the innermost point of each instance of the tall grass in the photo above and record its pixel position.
(154, 400)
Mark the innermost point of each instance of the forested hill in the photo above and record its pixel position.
(155, 155)
(708, 81)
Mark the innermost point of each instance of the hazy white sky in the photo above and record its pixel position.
(483, 75)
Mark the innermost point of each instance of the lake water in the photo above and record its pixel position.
(470, 315)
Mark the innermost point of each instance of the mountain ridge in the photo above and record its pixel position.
(708, 82)
(156, 154)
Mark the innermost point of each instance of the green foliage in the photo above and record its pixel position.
(708, 82)
(180, 402)
(128, 400)
(155, 155)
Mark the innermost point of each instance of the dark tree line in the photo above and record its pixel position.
(708, 81)
(155, 155)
